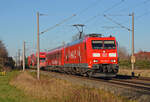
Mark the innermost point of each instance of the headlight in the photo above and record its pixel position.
(95, 60)
(113, 60)
(96, 54)
(112, 54)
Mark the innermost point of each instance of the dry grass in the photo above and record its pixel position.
(56, 90)
(143, 73)
(86, 94)
(45, 89)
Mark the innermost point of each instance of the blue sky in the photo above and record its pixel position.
(18, 22)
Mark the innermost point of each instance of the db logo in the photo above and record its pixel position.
(104, 55)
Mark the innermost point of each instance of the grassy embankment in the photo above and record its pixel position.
(9, 93)
(51, 89)
(139, 64)
(142, 67)
(142, 73)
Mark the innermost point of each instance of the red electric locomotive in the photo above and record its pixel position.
(92, 55)
(32, 60)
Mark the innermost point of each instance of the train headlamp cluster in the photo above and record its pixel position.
(96, 54)
(95, 61)
(112, 54)
(109, 55)
(112, 60)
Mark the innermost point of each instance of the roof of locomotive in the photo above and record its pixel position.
(55, 49)
(93, 35)
(33, 54)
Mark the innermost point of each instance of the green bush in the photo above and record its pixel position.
(126, 63)
(139, 64)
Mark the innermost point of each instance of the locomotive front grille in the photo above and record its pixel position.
(106, 68)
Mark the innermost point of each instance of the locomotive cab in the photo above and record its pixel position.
(42, 59)
(102, 56)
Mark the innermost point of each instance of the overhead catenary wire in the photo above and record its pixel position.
(88, 7)
(122, 26)
(113, 6)
(136, 5)
(58, 24)
(145, 13)
(81, 12)
(117, 15)
(77, 14)
(110, 27)
(106, 10)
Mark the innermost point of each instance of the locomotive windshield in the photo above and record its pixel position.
(97, 44)
(106, 44)
(109, 44)
(42, 59)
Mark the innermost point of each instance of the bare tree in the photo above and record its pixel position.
(3, 51)
(6, 63)
(123, 53)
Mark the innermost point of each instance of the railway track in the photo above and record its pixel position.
(143, 78)
(141, 85)
(132, 81)
(135, 77)
(133, 84)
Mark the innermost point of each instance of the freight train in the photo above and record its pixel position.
(93, 55)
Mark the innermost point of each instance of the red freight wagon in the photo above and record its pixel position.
(91, 55)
